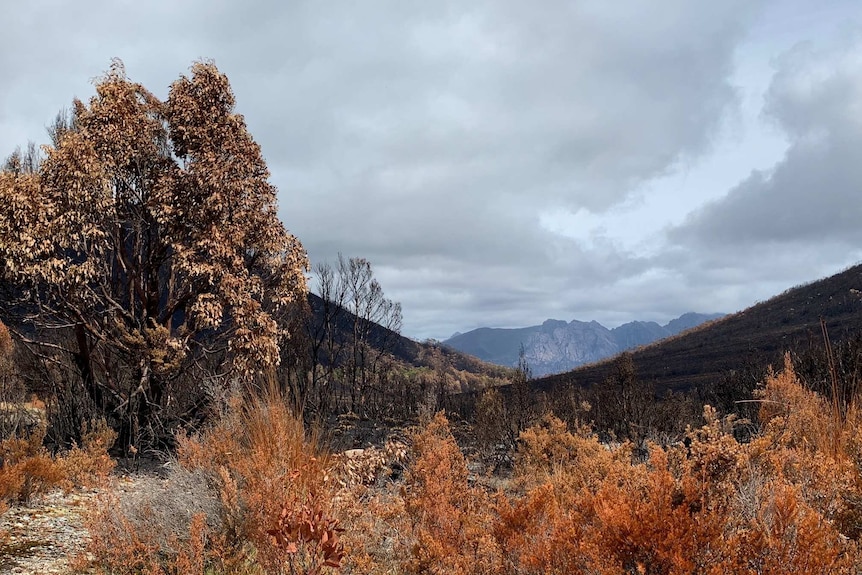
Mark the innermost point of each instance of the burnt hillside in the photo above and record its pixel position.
(757, 336)
(408, 351)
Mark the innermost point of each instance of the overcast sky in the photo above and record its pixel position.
(503, 162)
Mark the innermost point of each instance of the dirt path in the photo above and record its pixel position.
(42, 537)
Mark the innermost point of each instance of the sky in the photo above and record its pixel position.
(501, 162)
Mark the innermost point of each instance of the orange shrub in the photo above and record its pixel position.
(117, 545)
(796, 417)
(786, 536)
(27, 469)
(263, 495)
(545, 531)
(450, 524)
(307, 538)
(573, 460)
(89, 463)
(806, 442)
(654, 523)
(709, 506)
(785, 502)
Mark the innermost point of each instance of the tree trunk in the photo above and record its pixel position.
(85, 368)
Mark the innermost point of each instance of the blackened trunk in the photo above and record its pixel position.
(85, 368)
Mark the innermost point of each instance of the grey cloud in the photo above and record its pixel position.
(428, 136)
(480, 121)
(811, 195)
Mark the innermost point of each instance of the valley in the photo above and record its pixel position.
(557, 346)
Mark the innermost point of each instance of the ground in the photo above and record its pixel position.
(45, 535)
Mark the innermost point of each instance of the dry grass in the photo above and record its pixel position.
(252, 494)
(27, 469)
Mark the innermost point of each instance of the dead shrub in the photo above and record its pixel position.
(785, 502)
(365, 466)
(89, 464)
(27, 468)
(164, 526)
(545, 531)
(786, 536)
(573, 459)
(307, 539)
(261, 457)
(654, 523)
(119, 545)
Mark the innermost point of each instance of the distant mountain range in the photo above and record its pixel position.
(557, 346)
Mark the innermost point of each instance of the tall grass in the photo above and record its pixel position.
(269, 479)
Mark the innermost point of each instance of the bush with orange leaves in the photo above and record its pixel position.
(788, 501)
(805, 440)
(598, 512)
(711, 505)
(265, 465)
(574, 459)
(28, 469)
(123, 543)
(785, 536)
(450, 523)
(305, 528)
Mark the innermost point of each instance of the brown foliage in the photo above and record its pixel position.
(655, 523)
(264, 497)
(545, 531)
(260, 457)
(796, 417)
(123, 545)
(785, 536)
(27, 469)
(574, 459)
(166, 525)
(273, 485)
(118, 545)
(89, 463)
(450, 523)
(306, 538)
(146, 227)
(709, 506)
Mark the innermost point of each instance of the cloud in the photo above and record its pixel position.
(432, 137)
(807, 206)
(481, 122)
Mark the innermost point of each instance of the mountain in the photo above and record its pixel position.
(689, 320)
(637, 333)
(557, 346)
(745, 342)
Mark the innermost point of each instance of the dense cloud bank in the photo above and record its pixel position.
(437, 140)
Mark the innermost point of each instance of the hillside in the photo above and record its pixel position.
(557, 346)
(755, 337)
(468, 371)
